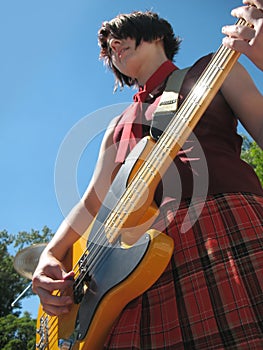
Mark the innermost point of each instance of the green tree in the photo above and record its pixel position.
(12, 284)
(16, 333)
(253, 155)
(24, 238)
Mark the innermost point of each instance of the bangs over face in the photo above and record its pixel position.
(140, 26)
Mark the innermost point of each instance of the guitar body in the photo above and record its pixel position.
(125, 273)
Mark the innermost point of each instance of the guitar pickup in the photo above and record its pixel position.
(81, 283)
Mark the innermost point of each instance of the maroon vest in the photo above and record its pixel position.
(211, 161)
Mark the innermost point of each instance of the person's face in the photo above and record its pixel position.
(129, 59)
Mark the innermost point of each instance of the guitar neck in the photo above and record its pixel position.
(194, 106)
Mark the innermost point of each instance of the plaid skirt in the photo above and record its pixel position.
(210, 296)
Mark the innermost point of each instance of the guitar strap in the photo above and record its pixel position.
(168, 103)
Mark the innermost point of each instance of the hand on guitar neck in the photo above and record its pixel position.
(247, 39)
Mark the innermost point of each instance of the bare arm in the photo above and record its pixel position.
(50, 274)
(239, 89)
(246, 101)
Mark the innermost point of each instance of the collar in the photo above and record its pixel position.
(154, 81)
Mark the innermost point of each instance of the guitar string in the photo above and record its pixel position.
(154, 155)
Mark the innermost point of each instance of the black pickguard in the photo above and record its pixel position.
(119, 265)
(119, 262)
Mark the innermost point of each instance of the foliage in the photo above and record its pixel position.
(34, 237)
(17, 333)
(253, 155)
(12, 284)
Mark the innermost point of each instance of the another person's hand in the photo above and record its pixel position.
(247, 40)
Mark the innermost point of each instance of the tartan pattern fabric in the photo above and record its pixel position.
(210, 296)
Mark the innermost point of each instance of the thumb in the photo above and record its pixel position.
(67, 276)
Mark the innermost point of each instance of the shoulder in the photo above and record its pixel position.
(109, 132)
(245, 100)
(193, 73)
(200, 64)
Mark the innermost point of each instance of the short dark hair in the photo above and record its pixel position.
(146, 26)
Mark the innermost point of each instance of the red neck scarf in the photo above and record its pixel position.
(127, 132)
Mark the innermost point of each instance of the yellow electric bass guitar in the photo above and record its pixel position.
(109, 274)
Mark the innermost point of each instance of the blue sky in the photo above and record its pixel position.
(52, 81)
